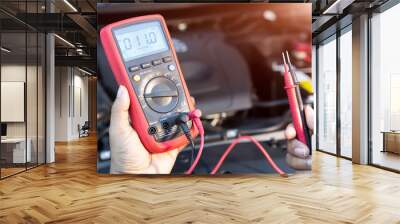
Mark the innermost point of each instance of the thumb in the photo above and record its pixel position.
(309, 112)
(120, 109)
(290, 132)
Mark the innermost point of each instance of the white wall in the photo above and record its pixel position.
(13, 73)
(10, 73)
(33, 126)
(71, 102)
(80, 105)
(61, 103)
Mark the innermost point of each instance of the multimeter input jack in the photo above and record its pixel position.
(165, 125)
(152, 130)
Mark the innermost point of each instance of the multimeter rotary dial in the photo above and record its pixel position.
(161, 94)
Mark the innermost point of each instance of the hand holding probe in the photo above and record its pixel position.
(296, 81)
(296, 105)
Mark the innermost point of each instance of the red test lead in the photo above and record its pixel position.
(290, 88)
(195, 117)
(296, 82)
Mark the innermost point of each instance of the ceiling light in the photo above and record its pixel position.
(5, 50)
(182, 26)
(84, 71)
(333, 6)
(269, 15)
(70, 5)
(337, 7)
(65, 41)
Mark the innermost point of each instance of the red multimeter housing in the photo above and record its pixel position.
(143, 59)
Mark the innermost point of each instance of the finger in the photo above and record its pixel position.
(180, 148)
(290, 132)
(120, 109)
(162, 163)
(298, 149)
(309, 117)
(193, 100)
(297, 163)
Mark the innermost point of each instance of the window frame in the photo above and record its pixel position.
(333, 37)
(380, 9)
(27, 29)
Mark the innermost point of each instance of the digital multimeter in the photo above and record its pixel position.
(143, 59)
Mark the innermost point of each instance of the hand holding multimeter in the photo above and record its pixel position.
(143, 59)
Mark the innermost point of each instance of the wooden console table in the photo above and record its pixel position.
(391, 141)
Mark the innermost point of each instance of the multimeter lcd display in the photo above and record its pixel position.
(140, 40)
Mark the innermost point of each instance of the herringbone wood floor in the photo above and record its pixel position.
(70, 191)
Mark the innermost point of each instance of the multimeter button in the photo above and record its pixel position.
(136, 78)
(167, 59)
(134, 68)
(157, 62)
(171, 67)
(146, 65)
